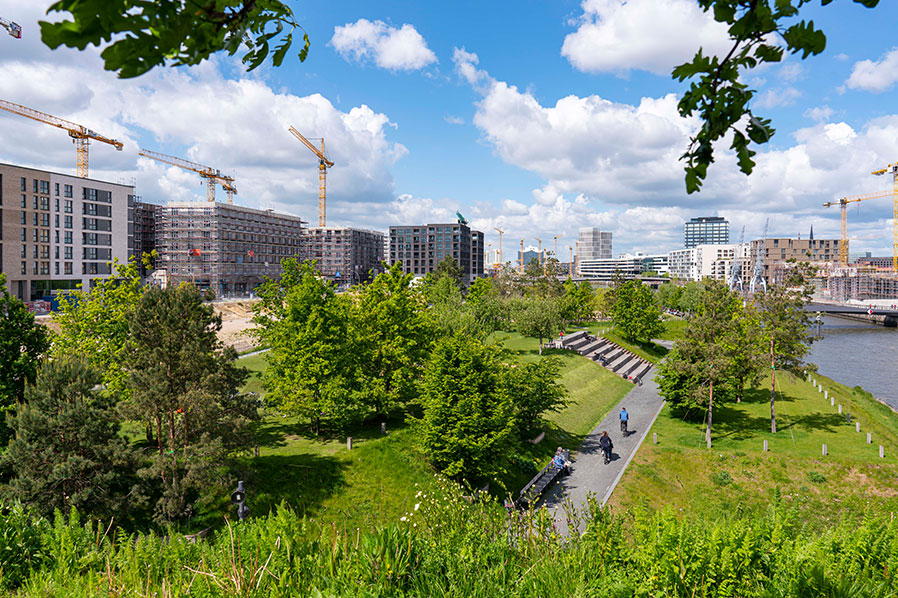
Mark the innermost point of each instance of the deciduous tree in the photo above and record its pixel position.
(538, 317)
(469, 418)
(22, 343)
(635, 313)
(534, 388)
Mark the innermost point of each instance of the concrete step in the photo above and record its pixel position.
(579, 343)
(573, 337)
(589, 348)
(620, 362)
(631, 367)
(612, 355)
(640, 372)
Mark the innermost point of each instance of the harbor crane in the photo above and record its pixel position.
(323, 165)
(80, 134)
(14, 29)
(208, 174)
(843, 204)
(893, 170)
(757, 276)
(736, 270)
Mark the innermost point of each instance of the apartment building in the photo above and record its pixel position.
(146, 216)
(59, 231)
(776, 252)
(224, 247)
(420, 248)
(707, 261)
(346, 256)
(593, 244)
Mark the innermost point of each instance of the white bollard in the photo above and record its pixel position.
(825, 394)
(832, 401)
(882, 451)
(857, 426)
(840, 409)
(869, 438)
(765, 446)
(655, 437)
(349, 443)
(820, 388)
(824, 450)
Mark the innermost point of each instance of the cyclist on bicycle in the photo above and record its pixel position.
(624, 417)
(606, 445)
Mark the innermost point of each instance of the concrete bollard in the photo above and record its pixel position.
(824, 450)
(655, 437)
(825, 394)
(869, 438)
(832, 401)
(349, 443)
(840, 410)
(882, 451)
(820, 388)
(765, 446)
(256, 451)
(857, 426)
(383, 426)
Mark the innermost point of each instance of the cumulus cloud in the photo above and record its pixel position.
(875, 76)
(772, 98)
(454, 120)
(819, 113)
(617, 35)
(402, 49)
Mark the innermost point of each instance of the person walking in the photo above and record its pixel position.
(606, 445)
(624, 418)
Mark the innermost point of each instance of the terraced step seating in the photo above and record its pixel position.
(606, 353)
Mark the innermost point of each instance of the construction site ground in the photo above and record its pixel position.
(236, 321)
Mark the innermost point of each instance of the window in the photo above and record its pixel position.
(24, 264)
(57, 203)
(56, 193)
(45, 187)
(68, 253)
(34, 218)
(67, 191)
(57, 236)
(68, 237)
(67, 268)
(57, 226)
(45, 204)
(24, 234)
(56, 270)
(34, 234)
(45, 219)
(24, 202)
(45, 268)
(24, 184)
(34, 252)
(57, 254)
(68, 222)
(34, 202)
(34, 185)
(45, 236)
(34, 265)
(24, 251)
(24, 218)
(45, 252)
(68, 207)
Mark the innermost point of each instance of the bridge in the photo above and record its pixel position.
(888, 314)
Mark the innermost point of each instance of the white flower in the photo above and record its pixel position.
(402, 518)
(417, 504)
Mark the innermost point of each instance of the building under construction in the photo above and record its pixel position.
(224, 247)
(346, 256)
(145, 218)
(859, 284)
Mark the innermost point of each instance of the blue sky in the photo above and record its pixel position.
(537, 117)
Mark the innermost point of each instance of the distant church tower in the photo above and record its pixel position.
(812, 232)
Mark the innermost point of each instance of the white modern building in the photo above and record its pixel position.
(707, 261)
(626, 265)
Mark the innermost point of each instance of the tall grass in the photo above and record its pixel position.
(453, 545)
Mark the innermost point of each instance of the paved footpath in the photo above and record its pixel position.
(590, 475)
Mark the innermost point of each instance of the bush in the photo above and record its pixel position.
(816, 477)
(722, 478)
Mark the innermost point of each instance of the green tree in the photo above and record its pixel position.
(486, 306)
(761, 32)
(312, 361)
(535, 390)
(669, 295)
(140, 35)
(468, 420)
(96, 324)
(22, 343)
(538, 317)
(635, 313)
(183, 380)
(785, 328)
(703, 360)
(393, 338)
(67, 451)
(446, 268)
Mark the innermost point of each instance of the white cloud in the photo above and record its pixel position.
(819, 113)
(401, 49)
(783, 96)
(875, 76)
(617, 36)
(454, 120)
(791, 72)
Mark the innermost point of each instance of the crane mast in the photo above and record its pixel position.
(210, 175)
(736, 270)
(323, 165)
(843, 204)
(893, 170)
(757, 277)
(80, 134)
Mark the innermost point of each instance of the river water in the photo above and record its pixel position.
(859, 354)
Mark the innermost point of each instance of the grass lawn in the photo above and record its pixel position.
(737, 475)
(376, 481)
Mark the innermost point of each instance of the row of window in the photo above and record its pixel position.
(43, 187)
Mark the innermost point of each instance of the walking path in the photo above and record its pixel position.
(590, 475)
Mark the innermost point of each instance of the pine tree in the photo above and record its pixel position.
(186, 383)
(67, 451)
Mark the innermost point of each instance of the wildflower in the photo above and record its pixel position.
(402, 518)
(417, 504)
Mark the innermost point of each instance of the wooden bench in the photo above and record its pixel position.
(535, 487)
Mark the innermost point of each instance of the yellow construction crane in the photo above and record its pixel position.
(323, 165)
(843, 203)
(501, 232)
(522, 256)
(893, 168)
(571, 262)
(80, 134)
(209, 174)
(555, 255)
